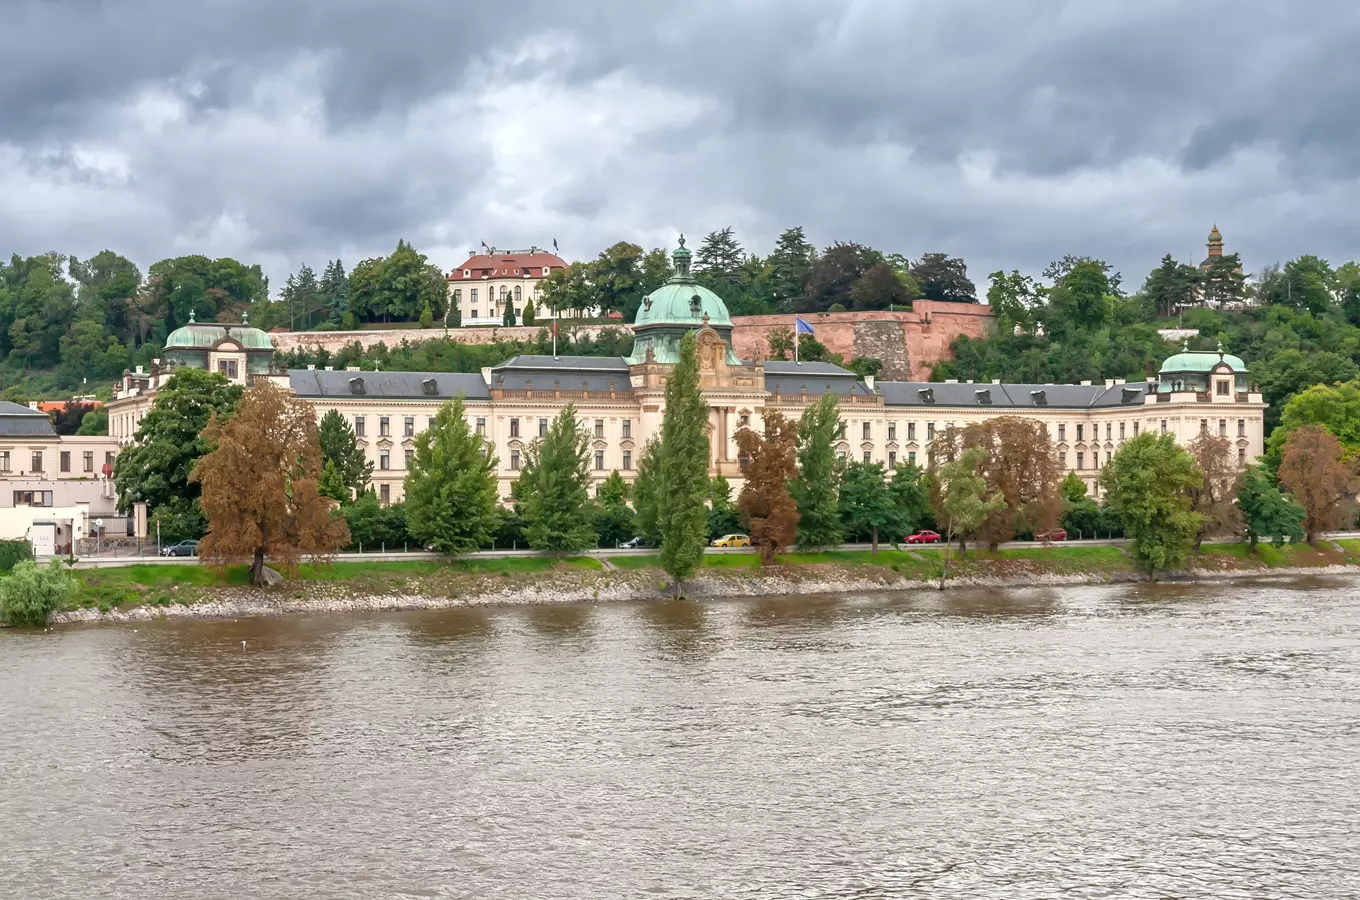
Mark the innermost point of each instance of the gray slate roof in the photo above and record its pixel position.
(569, 373)
(1013, 396)
(404, 385)
(17, 420)
(814, 378)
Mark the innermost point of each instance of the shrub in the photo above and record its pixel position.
(14, 552)
(30, 594)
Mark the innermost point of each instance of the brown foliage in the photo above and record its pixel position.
(765, 500)
(260, 485)
(1021, 468)
(1216, 500)
(1322, 477)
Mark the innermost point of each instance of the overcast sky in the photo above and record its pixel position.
(1008, 132)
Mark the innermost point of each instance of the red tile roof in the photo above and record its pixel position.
(492, 264)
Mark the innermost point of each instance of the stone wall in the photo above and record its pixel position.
(909, 343)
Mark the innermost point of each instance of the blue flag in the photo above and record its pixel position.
(803, 327)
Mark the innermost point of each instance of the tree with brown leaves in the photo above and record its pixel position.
(765, 501)
(1020, 468)
(1216, 499)
(1316, 469)
(259, 485)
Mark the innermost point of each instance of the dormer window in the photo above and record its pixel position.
(695, 304)
(984, 396)
(1129, 394)
(429, 386)
(927, 395)
(467, 273)
(1040, 398)
(356, 386)
(547, 269)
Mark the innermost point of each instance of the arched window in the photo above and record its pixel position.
(504, 292)
(516, 294)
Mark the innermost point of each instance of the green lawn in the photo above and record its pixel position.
(710, 561)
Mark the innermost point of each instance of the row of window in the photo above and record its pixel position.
(516, 460)
(867, 430)
(33, 498)
(467, 273)
(37, 464)
(408, 426)
(507, 293)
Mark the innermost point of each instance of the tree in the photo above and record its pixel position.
(780, 343)
(613, 518)
(373, 525)
(1214, 498)
(1080, 300)
(645, 501)
(67, 419)
(278, 510)
(833, 276)
(334, 292)
(681, 479)
(960, 499)
(723, 515)
(765, 502)
(881, 288)
(816, 489)
(1172, 285)
(1266, 511)
(451, 494)
(427, 317)
(868, 508)
(1335, 407)
(31, 593)
(1148, 485)
(529, 313)
(790, 264)
(508, 318)
(331, 484)
(554, 485)
(945, 278)
(1223, 281)
(1307, 284)
(719, 258)
(170, 440)
(909, 495)
(340, 449)
(1321, 475)
(95, 422)
(397, 287)
(1013, 298)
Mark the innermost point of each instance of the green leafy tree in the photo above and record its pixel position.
(31, 593)
(1223, 281)
(909, 494)
(613, 517)
(554, 487)
(723, 515)
(681, 478)
(868, 508)
(834, 274)
(341, 449)
(1172, 285)
(646, 503)
(945, 278)
(529, 313)
(1081, 300)
(1148, 485)
(156, 469)
(1335, 407)
(719, 258)
(451, 494)
(397, 287)
(331, 484)
(960, 499)
(1307, 284)
(427, 317)
(882, 288)
(94, 422)
(1014, 298)
(790, 264)
(1267, 512)
(816, 489)
(373, 525)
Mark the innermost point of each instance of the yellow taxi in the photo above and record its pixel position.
(732, 540)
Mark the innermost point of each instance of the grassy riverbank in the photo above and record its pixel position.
(578, 578)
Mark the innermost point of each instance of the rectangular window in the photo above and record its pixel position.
(868, 457)
(385, 493)
(1121, 431)
(599, 460)
(744, 421)
(1081, 460)
(472, 295)
(65, 461)
(457, 296)
(1222, 427)
(1095, 460)
(1080, 432)
(408, 426)
(892, 431)
(1062, 432)
(1163, 426)
(407, 457)
(108, 457)
(930, 431)
(840, 432)
(481, 425)
(911, 457)
(384, 460)
(892, 460)
(1108, 427)
(840, 454)
(542, 427)
(1241, 456)
(358, 426)
(627, 460)
(384, 425)
(866, 431)
(514, 428)
(1241, 427)
(911, 431)
(89, 460)
(32, 498)
(1135, 428)
(627, 429)
(474, 312)
(37, 461)
(4, 460)
(1203, 426)
(227, 367)
(1222, 388)
(599, 428)
(1062, 459)
(514, 460)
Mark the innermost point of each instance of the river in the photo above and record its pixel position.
(1124, 741)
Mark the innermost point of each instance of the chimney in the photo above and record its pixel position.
(1119, 381)
(139, 371)
(869, 382)
(996, 381)
(311, 367)
(486, 374)
(1086, 383)
(351, 368)
(33, 404)
(951, 381)
(1109, 382)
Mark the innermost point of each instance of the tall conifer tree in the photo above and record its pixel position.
(554, 487)
(817, 487)
(681, 479)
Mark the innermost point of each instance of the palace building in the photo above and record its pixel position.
(621, 400)
(483, 286)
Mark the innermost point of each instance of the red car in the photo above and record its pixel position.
(1056, 534)
(924, 537)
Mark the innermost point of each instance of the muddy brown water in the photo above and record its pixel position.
(1127, 741)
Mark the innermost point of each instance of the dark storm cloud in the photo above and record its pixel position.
(1008, 132)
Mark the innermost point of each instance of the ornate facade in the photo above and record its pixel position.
(620, 401)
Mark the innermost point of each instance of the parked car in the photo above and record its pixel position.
(183, 548)
(924, 537)
(733, 540)
(635, 544)
(1057, 534)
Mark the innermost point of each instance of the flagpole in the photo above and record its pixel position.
(795, 340)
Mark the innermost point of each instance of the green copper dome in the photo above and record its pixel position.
(205, 336)
(679, 306)
(1201, 361)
